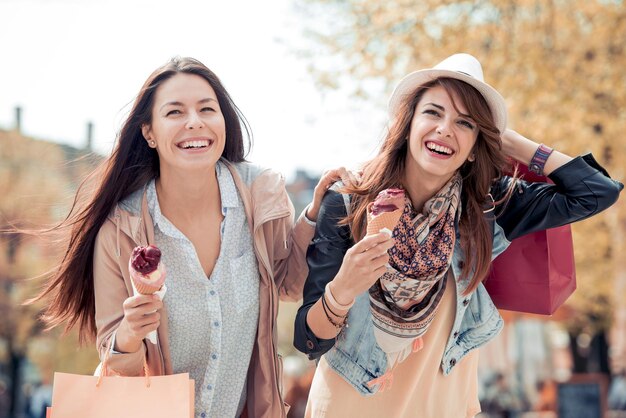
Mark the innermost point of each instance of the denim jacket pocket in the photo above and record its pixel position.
(359, 334)
(481, 321)
(356, 356)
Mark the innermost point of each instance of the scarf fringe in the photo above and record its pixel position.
(386, 380)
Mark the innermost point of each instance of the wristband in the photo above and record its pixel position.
(333, 302)
(539, 159)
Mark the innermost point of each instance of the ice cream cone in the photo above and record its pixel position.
(147, 275)
(146, 270)
(383, 221)
(147, 284)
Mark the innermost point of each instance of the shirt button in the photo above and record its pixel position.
(209, 387)
(214, 356)
(217, 324)
(309, 344)
(452, 362)
(465, 302)
(212, 292)
(203, 415)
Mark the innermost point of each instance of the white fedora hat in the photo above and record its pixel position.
(462, 67)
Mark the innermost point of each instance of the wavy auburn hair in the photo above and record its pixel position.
(130, 166)
(387, 170)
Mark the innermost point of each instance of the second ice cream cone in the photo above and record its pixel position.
(147, 284)
(146, 270)
(385, 220)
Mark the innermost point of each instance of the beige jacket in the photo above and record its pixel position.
(280, 248)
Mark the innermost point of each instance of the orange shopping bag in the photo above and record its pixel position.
(78, 396)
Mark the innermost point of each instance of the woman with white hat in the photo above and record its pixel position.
(397, 320)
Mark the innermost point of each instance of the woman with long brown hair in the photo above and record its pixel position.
(177, 178)
(396, 318)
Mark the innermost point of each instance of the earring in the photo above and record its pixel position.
(471, 158)
(152, 143)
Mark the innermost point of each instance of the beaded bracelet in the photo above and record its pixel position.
(539, 159)
(332, 301)
(337, 325)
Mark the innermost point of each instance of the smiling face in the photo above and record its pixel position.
(441, 138)
(187, 127)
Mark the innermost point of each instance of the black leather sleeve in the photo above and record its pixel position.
(324, 257)
(581, 188)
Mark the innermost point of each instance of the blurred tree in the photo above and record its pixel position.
(36, 185)
(559, 64)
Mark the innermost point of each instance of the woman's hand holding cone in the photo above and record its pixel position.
(362, 265)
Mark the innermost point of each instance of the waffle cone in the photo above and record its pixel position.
(144, 284)
(384, 220)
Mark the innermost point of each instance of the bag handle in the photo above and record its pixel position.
(105, 366)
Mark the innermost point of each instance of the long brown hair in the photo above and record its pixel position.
(130, 166)
(387, 170)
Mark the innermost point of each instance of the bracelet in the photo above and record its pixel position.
(337, 325)
(539, 159)
(324, 301)
(332, 301)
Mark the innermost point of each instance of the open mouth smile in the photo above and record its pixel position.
(195, 144)
(439, 149)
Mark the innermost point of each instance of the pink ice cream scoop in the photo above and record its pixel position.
(385, 211)
(146, 270)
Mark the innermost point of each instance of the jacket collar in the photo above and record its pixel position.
(135, 224)
(132, 216)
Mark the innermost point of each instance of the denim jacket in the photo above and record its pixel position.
(581, 189)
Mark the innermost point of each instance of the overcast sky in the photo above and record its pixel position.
(66, 62)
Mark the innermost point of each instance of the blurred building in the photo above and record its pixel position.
(300, 189)
(38, 179)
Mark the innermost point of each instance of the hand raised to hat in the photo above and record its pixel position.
(522, 149)
(511, 144)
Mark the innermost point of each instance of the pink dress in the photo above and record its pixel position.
(419, 388)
